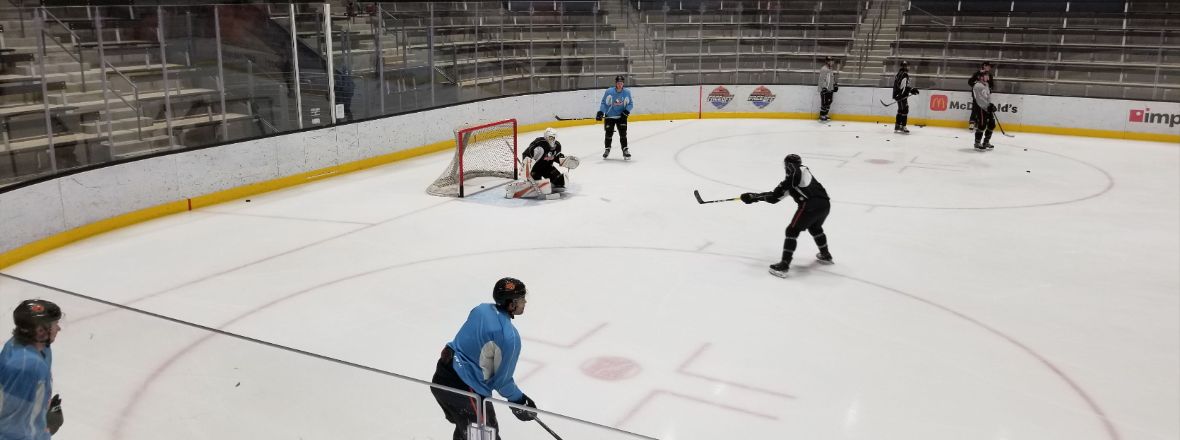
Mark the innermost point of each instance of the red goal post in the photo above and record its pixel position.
(485, 150)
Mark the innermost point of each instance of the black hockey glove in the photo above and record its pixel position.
(54, 419)
(768, 197)
(626, 113)
(835, 88)
(749, 198)
(913, 91)
(991, 108)
(598, 117)
(521, 414)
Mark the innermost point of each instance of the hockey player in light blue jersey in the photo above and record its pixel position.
(614, 107)
(26, 410)
(482, 358)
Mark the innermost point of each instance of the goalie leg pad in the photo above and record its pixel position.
(526, 189)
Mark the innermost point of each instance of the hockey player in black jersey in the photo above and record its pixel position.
(984, 69)
(813, 209)
(902, 90)
(541, 156)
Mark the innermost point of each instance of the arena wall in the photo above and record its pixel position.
(49, 214)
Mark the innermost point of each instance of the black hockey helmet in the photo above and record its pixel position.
(793, 159)
(903, 65)
(619, 79)
(507, 290)
(31, 314)
(829, 60)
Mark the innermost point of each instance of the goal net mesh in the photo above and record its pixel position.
(487, 150)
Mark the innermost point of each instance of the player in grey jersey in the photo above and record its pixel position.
(986, 117)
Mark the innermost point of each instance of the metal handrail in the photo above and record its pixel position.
(135, 90)
(75, 37)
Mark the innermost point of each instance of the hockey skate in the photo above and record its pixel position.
(824, 257)
(980, 147)
(780, 269)
(901, 130)
(626, 154)
(988, 145)
(606, 153)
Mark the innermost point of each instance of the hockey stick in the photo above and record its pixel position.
(697, 193)
(998, 124)
(889, 104)
(543, 425)
(559, 118)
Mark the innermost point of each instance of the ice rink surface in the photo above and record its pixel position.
(1030, 292)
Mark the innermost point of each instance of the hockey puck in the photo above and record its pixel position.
(1026, 149)
(1027, 171)
(858, 137)
(247, 200)
(481, 187)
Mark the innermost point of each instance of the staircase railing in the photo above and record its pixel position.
(73, 39)
(76, 40)
(870, 39)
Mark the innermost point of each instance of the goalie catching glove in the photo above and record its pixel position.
(570, 162)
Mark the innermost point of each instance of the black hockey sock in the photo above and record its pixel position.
(821, 241)
(904, 120)
(987, 136)
(623, 136)
(788, 249)
(978, 135)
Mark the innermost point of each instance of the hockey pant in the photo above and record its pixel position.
(808, 217)
(903, 113)
(985, 123)
(609, 124)
(825, 102)
(545, 170)
(457, 408)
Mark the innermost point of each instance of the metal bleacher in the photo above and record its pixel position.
(1095, 49)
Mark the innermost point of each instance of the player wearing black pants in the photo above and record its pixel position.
(984, 69)
(614, 108)
(827, 87)
(458, 409)
(901, 93)
(986, 113)
(813, 209)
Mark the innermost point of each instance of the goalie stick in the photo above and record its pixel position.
(697, 193)
(543, 425)
(559, 118)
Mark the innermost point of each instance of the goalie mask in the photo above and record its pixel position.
(551, 136)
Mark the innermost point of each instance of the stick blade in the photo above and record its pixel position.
(697, 193)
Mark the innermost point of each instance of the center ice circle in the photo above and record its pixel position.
(928, 171)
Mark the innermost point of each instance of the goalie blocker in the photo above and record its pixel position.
(541, 161)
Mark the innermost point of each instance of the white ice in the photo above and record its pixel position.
(1030, 292)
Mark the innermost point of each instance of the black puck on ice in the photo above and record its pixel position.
(247, 200)
(858, 137)
(481, 187)
(1026, 149)
(1027, 171)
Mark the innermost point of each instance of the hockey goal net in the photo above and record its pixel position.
(485, 150)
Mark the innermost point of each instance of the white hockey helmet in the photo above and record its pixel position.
(551, 135)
